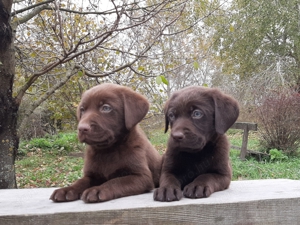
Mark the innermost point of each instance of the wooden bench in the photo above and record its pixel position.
(245, 202)
(246, 127)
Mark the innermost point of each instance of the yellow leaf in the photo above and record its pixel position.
(33, 54)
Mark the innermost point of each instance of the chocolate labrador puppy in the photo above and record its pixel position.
(119, 159)
(197, 156)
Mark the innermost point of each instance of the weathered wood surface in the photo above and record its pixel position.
(246, 127)
(245, 202)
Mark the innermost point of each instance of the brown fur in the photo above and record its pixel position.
(119, 159)
(197, 156)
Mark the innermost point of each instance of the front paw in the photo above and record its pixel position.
(167, 194)
(193, 190)
(65, 195)
(96, 194)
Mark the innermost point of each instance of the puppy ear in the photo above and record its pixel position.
(136, 107)
(226, 111)
(166, 116)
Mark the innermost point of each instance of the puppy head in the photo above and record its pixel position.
(196, 114)
(107, 112)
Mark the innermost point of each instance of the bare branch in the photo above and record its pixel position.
(18, 1)
(30, 15)
(60, 35)
(138, 73)
(31, 7)
(142, 53)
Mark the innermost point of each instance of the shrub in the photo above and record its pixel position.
(277, 155)
(279, 120)
(62, 143)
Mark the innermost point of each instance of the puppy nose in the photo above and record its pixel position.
(83, 128)
(177, 135)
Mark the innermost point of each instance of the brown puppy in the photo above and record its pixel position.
(197, 156)
(119, 159)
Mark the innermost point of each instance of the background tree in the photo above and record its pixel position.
(259, 38)
(67, 45)
(9, 107)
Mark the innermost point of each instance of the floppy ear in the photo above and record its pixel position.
(166, 116)
(136, 107)
(226, 111)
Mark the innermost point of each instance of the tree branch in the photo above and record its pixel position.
(44, 97)
(30, 7)
(30, 15)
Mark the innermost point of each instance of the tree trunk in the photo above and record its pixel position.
(8, 107)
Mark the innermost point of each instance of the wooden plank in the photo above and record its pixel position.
(244, 125)
(245, 202)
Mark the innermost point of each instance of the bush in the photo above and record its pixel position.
(279, 120)
(62, 143)
(277, 155)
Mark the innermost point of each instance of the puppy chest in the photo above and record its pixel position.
(104, 171)
(187, 169)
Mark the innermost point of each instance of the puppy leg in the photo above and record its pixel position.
(206, 184)
(72, 192)
(169, 190)
(119, 187)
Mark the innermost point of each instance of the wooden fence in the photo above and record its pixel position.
(246, 127)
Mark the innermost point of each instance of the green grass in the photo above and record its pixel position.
(251, 169)
(46, 162)
(159, 138)
(46, 170)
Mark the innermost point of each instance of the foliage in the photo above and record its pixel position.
(279, 120)
(277, 155)
(259, 37)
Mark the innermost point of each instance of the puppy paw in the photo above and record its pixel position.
(167, 194)
(96, 194)
(197, 191)
(65, 195)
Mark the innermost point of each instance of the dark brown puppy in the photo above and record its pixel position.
(197, 156)
(119, 159)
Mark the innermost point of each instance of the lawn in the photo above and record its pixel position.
(50, 161)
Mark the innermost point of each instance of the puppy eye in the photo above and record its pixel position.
(81, 109)
(171, 116)
(197, 114)
(106, 108)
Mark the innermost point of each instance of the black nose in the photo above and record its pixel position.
(84, 128)
(177, 135)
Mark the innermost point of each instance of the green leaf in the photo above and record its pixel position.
(80, 73)
(158, 80)
(231, 28)
(196, 65)
(164, 80)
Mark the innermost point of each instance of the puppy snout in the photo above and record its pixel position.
(84, 128)
(177, 135)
